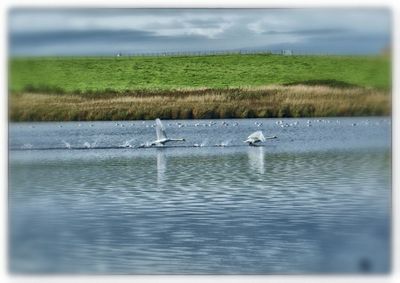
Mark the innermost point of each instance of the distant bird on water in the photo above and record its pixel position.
(256, 138)
(161, 135)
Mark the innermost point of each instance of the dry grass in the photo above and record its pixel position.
(198, 103)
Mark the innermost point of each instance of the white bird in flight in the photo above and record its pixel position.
(161, 135)
(257, 137)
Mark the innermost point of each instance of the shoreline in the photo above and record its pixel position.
(273, 101)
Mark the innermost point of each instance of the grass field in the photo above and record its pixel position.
(223, 86)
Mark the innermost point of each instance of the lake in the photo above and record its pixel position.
(85, 198)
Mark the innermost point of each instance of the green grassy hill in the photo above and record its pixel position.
(99, 75)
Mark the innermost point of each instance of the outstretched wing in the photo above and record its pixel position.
(160, 130)
(257, 136)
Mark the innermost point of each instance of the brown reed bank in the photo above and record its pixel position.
(202, 103)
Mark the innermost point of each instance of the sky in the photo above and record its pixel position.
(86, 32)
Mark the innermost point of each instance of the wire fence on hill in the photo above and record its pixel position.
(284, 52)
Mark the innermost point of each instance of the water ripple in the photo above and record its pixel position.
(239, 210)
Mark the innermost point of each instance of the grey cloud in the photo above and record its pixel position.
(85, 35)
(96, 35)
(206, 23)
(322, 31)
(361, 45)
(102, 42)
(104, 31)
(173, 24)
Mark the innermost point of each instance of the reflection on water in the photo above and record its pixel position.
(161, 167)
(256, 159)
(232, 210)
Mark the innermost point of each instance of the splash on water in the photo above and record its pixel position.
(224, 143)
(67, 145)
(128, 143)
(204, 142)
(144, 145)
(94, 144)
(27, 145)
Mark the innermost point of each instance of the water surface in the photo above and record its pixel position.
(83, 198)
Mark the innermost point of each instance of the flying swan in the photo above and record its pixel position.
(161, 135)
(257, 137)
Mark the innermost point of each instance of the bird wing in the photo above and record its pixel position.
(257, 136)
(160, 130)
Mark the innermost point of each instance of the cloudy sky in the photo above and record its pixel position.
(109, 31)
